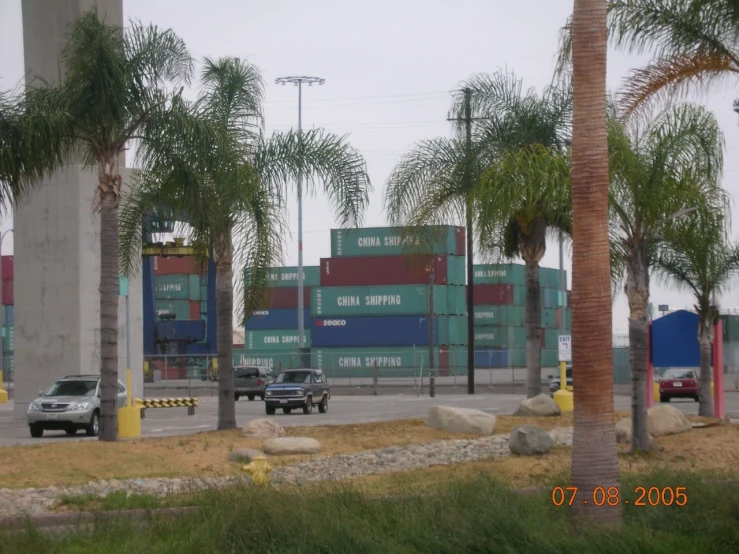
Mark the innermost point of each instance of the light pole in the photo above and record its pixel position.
(2, 306)
(298, 82)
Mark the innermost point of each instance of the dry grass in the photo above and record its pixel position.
(204, 454)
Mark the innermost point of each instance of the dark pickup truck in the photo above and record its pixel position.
(298, 388)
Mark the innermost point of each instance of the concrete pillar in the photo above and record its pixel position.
(57, 241)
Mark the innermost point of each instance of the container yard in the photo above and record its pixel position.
(8, 324)
(388, 241)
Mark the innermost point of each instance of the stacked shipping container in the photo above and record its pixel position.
(500, 315)
(8, 302)
(271, 334)
(372, 307)
(180, 289)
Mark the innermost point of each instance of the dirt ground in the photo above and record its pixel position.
(713, 448)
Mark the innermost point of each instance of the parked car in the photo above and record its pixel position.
(251, 380)
(298, 388)
(678, 383)
(71, 404)
(554, 380)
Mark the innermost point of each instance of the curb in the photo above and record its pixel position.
(56, 520)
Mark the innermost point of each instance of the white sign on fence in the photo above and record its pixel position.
(565, 348)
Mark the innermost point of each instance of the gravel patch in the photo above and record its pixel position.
(34, 502)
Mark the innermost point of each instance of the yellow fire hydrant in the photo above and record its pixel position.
(259, 470)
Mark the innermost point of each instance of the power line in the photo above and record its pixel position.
(332, 106)
(344, 98)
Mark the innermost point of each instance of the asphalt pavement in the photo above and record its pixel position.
(342, 410)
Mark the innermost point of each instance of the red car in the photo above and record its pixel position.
(678, 383)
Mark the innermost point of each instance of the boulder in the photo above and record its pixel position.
(244, 455)
(529, 440)
(461, 420)
(286, 446)
(666, 420)
(263, 429)
(538, 406)
(623, 430)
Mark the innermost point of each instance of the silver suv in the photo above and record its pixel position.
(250, 381)
(71, 404)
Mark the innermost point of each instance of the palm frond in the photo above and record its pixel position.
(317, 156)
(156, 56)
(668, 80)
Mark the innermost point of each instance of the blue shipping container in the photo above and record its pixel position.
(277, 320)
(9, 315)
(193, 330)
(404, 330)
(490, 358)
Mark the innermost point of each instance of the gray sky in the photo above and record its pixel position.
(389, 68)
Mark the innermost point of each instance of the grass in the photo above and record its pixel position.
(467, 515)
(204, 454)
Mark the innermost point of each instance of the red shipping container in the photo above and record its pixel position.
(8, 292)
(7, 268)
(194, 309)
(493, 294)
(285, 298)
(461, 244)
(382, 270)
(443, 361)
(172, 265)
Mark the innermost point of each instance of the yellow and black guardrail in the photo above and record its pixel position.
(145, 403)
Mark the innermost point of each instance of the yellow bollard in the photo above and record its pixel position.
(259, 470)
(129, 418)
(563, 397)
(655, 392)
(3, 392)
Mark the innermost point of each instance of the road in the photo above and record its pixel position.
(342, 410)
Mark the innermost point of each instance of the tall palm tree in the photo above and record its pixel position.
(526, 191)
(112, 95)
(696, 257)
(658, 171)
(695, 40)
(234, 210)
(594, 457)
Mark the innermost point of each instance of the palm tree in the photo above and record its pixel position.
(697, 257)
(659, 171)
(594, 457)
(526, 191)
(696, 46)
(524, 196)
(113, 95)
(235, 209)
(440, 179)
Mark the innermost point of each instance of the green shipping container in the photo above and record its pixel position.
(288, 276)
(452, 329)
(274, 340)
(457, 270)
(171, 287)
(731, 328)
(180, 308)
(388, 241)
(511, 316)
(500, 337)
(514, 274)
(458, 360)
(287, 360)
(194, 286)
(399, 361)
(551, 339)
(8, 339)
(386, 300)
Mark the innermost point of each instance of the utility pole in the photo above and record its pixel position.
(432, 380)
(467, 177)
(298, 82)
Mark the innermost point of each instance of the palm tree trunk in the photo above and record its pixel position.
(594, 456)
(533, 329)
(637, 293)
(470, 303)
(108, 311)
(224, 315)
(705, 399)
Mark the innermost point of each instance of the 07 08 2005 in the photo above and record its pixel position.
(612, 496)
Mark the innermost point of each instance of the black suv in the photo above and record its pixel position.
(298, 388)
